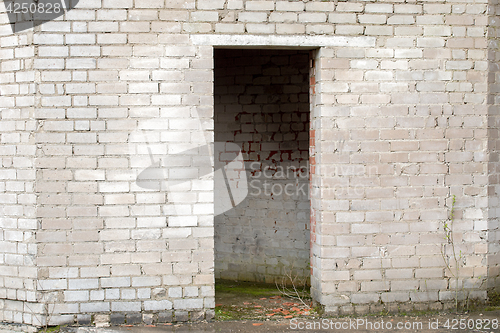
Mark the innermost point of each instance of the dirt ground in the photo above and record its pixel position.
(254, 301)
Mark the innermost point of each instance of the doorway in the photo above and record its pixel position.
(261, 105)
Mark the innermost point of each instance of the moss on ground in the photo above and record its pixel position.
(245, 288)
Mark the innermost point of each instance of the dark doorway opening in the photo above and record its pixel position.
(262, 105)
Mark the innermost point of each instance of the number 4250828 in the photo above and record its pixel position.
(471, 324)
(42, 8)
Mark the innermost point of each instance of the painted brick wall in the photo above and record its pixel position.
(404, 116)
(262, 104)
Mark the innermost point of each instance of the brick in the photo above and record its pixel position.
(372, 19)
(378, 75)
(49, 64)
(395, 297)
(83, 283)
(211, 4)
(423, 296)
(259, 5)
(149, 4)
(375, 286)
(48, 39)
(459, 65)
(408, 53)
(188, 304)
(145, 281)
(432, 31)
(95, 307)
(115, 282)
(365, 298)
(430, 42)
(341, 18)
(349, 30)
(252, 17)
(76, 296)
(229, 28)
(437, 8)
(349, 7)
(283, 17)
(126, 306)
(205, 16)
(157, 305)
(289, 6)
(312, 17)
(260, 28)
(399, 273)
(378, 8)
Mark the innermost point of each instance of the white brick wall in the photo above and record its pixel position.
(398, 128)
